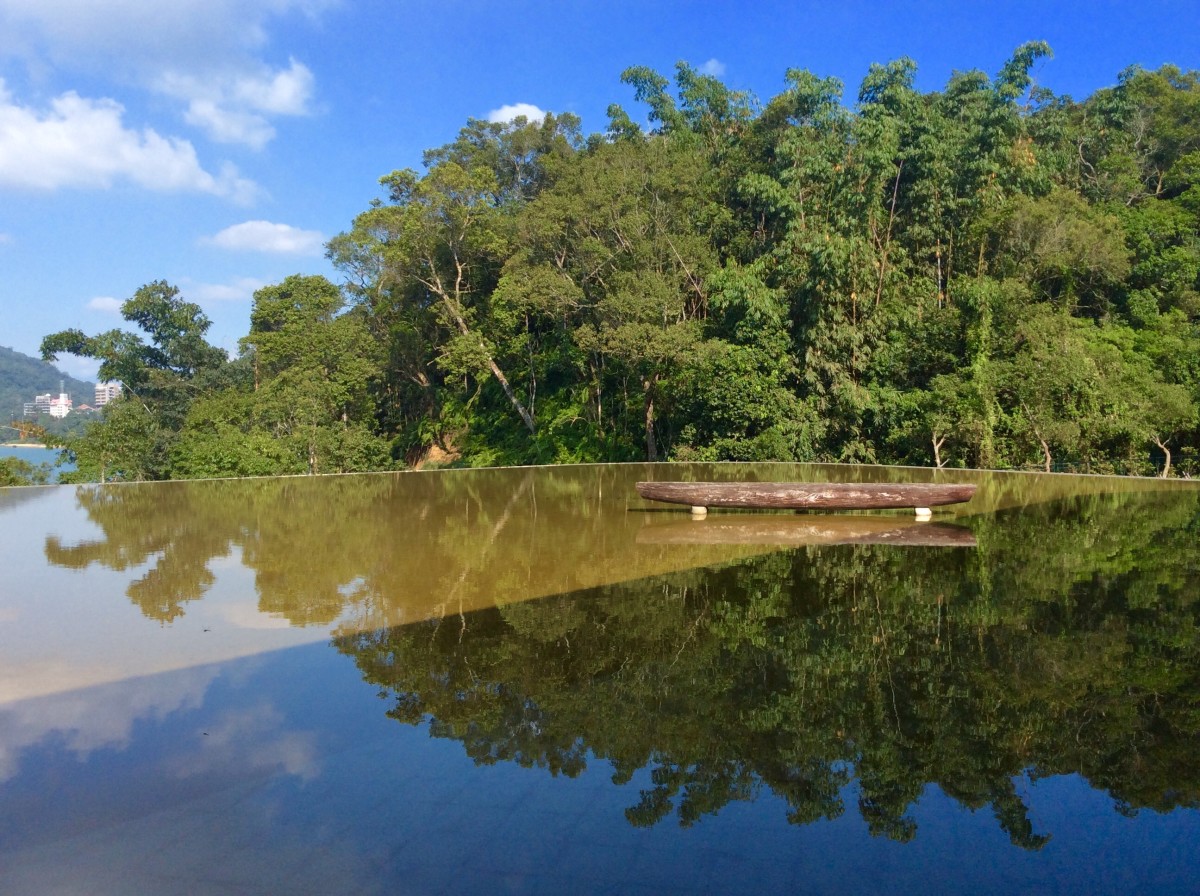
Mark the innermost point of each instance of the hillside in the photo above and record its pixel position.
(22, 377)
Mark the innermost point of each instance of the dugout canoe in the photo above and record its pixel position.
(808, 495)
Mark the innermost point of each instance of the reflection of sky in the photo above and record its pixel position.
(96, 718)
(63, 629)
(282, 773)
(14, 497)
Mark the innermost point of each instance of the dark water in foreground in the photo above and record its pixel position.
(531, 682)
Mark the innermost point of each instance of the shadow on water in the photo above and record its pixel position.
(1066, 644)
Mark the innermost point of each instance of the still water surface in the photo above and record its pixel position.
(531, 681)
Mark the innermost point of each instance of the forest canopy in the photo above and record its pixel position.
(989, 275)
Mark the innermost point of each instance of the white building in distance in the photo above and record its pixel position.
(61, 406)
(106, 392)
(48, 403)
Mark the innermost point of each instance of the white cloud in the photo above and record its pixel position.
(105, 304)
(265, 236)
(226, 125)
(203, 53)
(714, 67)
(145, 35)
(81, 142)
(233, 108)
(515, 110)
(241, 289)
(285, 92)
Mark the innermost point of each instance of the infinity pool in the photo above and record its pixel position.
(531, 681)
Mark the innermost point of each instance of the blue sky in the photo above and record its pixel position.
(218, 143)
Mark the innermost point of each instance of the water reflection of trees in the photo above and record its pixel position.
(312, 544)
(158, 532)
(389, 549)
(1066, 644)
(376, 550)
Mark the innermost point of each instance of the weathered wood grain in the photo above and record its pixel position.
(807, 495)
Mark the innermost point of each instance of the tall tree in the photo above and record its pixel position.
(160, 378)
(614, 261)
(440, 242)
(314, 371)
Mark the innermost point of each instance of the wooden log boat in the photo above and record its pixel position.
(809, 529)
(808, 495)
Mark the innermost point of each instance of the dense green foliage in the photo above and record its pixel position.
(295, 401)
(989, 275)
(17, 471)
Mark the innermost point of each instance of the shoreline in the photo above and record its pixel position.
(23, 445)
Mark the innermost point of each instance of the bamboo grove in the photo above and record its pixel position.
(986, 276)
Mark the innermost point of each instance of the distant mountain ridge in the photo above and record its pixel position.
(23, 377)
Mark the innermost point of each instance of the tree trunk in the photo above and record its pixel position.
(937, 450)
(651, 443)
(941, 293)
(526, 417)
(1161, 443)
(887, 242)
(460, 322)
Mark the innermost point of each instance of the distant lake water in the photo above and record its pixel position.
(36, 456)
